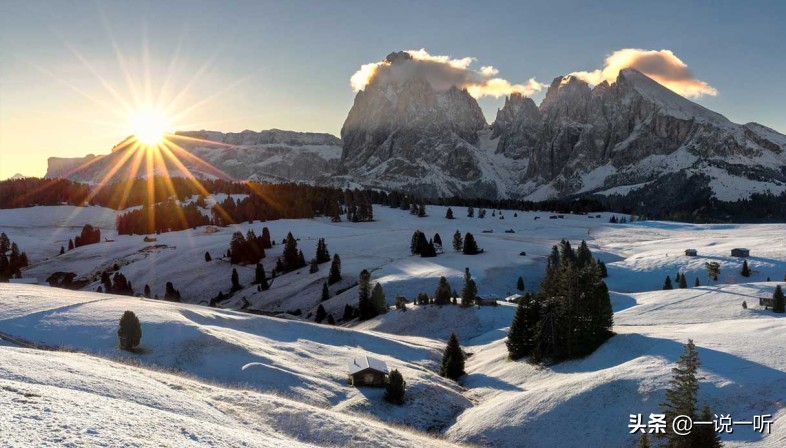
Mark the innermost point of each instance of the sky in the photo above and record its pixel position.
(74, 74)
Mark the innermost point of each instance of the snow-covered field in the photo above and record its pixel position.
(233, 378)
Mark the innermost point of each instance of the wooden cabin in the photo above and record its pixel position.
(691, 252)
(740, 252)
(485, 302)
(367, 371)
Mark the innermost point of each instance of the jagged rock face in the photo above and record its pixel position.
(623, 128)
(408, 134)
(274, 155)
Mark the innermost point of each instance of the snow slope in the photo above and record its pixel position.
(71, 399)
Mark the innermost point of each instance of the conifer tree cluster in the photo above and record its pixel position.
(12, 260)
(292, 258)
(442, 294)
(323, 255)
(371, 302)
(260, 277)
(469, 292)
(117, 284)
(778, 302)
(572, 314)
(89, 235)
(470, 247)
(248, 249)
(129, 333)
(682, 282)
(170, 293)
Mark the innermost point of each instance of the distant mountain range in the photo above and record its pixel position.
(633, 138)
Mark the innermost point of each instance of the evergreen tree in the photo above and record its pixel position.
(147, 291)
(470, 212)
(449, 213)
(682, 283)
(70, 244)
(208, 258)
(704, 436)
(323, 255)
(470, 246)
(266, 240)
(422, 211)
(583, 255)
(452, 360)
(62, 250)
(437, 239)
(321, 314)
(330, 320)
(469, 292)
(520, 284)
(682, 394)
(713, 270)
(314, 267)
(520, 334)
(365, 307)
(394, 389)
(696, 284)
(746, 272)
(235, 281)
(603, 272)
(458, 242)
(170, 293)
(260, 278)
(325, 292)
(349, 313)
(335, 270)
(442, 293)
(667, 284)
(130, 332)
(378, 301)
(778, 304)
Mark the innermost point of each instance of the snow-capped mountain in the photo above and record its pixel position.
(272, 155)
(634, 134)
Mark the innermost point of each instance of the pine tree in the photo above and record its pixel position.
(323, 255)
(470, 212)
(603, 272)
(330, 320)
(520, 284)
(422, 211)
(349, 313)
(62, 250)
(583, 255)
(71, 244)
(704, 436)
(442, 293)
(266, 240)
(520, 335)
(778, 305)
(682, 394)
(682, 283)
(235, 281)
(321, 314)
(170, 293)
(335, 270)
(470, 246)
(325, 292)
(696, 284)
(667, 284)
(365, 307)
(394, 390)
(378, 301)
(437, 239)
(469, 292)
(130, 332)
(746, 272)
(314, 267)
(449, 213)
(458, 242)
(147, 291)
(208, 258)
(452, 360)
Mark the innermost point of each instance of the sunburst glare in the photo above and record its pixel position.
(149, 126)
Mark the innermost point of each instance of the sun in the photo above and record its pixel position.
(148, 126)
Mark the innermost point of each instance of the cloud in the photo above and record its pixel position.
(663, 66)
(442, 73)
